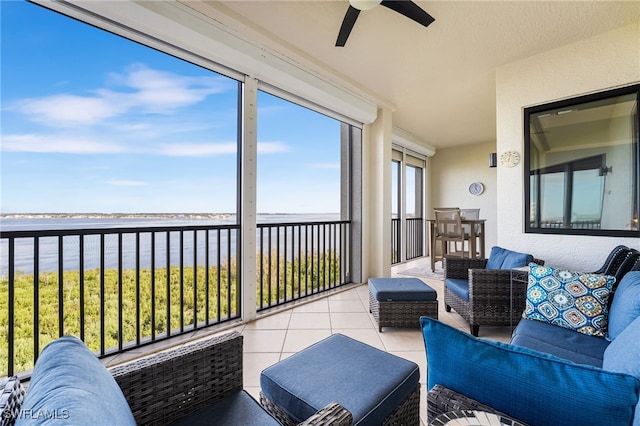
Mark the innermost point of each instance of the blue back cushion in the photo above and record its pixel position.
(69, 385)
(623, 355)
(625, 307)
(533, 387)
(501, 258)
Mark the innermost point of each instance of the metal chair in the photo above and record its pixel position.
(448, 229)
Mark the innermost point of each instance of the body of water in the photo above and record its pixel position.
(166, 248)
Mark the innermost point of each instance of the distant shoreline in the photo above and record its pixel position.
(115, 215)
(132, 215)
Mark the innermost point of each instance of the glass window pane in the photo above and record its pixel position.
(583, 164)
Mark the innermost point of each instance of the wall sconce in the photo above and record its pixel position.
(493, 159)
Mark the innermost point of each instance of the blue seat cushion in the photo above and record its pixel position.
(625, 307)
(368, 382)
(73, 387)
(561, 342)
(536, 388)
(236, 409)
(501, 258)
(459, 286)
(407, 289)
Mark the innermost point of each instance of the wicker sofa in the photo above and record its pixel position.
(197, 383)
(547, 374)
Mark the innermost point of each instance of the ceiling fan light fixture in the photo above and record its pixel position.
(364, 4)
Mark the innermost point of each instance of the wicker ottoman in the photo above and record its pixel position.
(400, 302)
(378, 388)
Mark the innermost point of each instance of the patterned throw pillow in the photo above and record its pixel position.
(573, 300)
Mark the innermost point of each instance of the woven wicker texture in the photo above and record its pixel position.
(407, 413)
(442, 400)
(493, 300)
(173, 384)
(401, 313)
(11, 397)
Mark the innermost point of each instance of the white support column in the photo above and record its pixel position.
(248, 197)
(377, 143)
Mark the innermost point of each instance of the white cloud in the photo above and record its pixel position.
(127, 183)
(138, 90)
(272, 147)
(197, 150)
(58, 144)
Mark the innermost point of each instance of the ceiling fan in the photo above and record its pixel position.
(404, 7)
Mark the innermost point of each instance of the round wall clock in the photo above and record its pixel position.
(476, 188)
(510, 158)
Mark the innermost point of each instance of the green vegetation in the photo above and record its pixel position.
(157, 310)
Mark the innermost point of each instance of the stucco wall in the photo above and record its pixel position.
(452, 170)
(602, 62)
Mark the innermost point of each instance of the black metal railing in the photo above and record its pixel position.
(296, 260)
(396, 254)
(415, 238)
(122, 288)
(413, 242)
(115, 288)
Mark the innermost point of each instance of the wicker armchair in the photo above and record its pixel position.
(171, 385)
(493, 299)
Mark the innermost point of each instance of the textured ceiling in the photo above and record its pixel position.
(439, 80)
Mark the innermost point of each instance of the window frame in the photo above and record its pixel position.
(528, 112)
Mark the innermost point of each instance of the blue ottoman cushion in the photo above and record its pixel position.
(368, 382)
(60, 387)
(396, 289)
(237, 409)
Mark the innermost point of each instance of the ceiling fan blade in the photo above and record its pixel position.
(347, 25)
(410, 10)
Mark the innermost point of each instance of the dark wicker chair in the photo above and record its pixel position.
(170, 385)
(173, 384)
(618, 262)
(493, 299)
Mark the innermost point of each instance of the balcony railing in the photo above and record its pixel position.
(122, 288)
(413, 242)
(296, 260)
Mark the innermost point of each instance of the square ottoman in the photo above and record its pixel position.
(400, 302)
(376, 387)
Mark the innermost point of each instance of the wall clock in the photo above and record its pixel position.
(510, 158)
(476, 188)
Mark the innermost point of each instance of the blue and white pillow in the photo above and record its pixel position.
(573, 300)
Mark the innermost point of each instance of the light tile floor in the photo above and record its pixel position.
(274, 337)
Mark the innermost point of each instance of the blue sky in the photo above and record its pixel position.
(92, 122)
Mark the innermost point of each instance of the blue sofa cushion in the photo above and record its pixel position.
(625, 307)
(533, 387)
(459, 287)
(70, 384)
(623, 355)
(397, 289)
(561, 342)
(501, 258)
(573, 300)
(368, 382)
(236, 409)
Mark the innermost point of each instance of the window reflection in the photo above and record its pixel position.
(582, 164)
